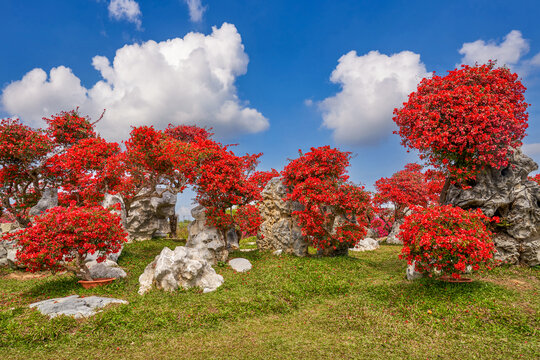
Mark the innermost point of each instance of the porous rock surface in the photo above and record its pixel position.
(279, 229)
(367, 244)
(8, 249)
(149, 217)
(49, 199)
(206, 239)
(105, 269)
(181, 267)
(507, 193)
(74, 306)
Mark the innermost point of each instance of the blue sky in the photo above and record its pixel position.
(272, 76)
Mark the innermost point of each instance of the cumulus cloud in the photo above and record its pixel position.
(125, 10)
(196, 10)
(372, 86)
(188, 80)
(510, 52)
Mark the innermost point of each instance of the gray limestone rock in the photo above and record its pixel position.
(233, 239)
(105, 269)
(111, 201)
(507, 193)
(240, 264)
(279, 229)
(113, 257)
(367, 244)
(205, 239)
(49, 199)
(392, 235)
(8, 249)
(412, 274)
(183, 267)
(74, 306)
(149, 217)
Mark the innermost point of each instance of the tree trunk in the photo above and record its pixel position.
(82, 270)
(173, 224)
(444, 191)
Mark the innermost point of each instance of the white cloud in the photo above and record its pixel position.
(372, 86)
(125, 10)
(196, 10)
(186, 80)
(532, 149)
(508, 52)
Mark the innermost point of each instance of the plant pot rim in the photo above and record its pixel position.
(87, 284)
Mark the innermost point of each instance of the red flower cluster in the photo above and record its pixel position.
(334, 211)
(446, 240)
(465, 121)
(65, 235)
(535, 178)
(222, 181)
(188, 133)
(407, 188)
(68, 128)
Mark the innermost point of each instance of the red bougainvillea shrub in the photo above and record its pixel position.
(188, 133)
(63, 236)
(68, 155)
(248, 219)
(334, 214)
(446, 240)
(222, 182)
(67, 128)
(22, 153)
(465, 121)
(85, 171)
(153, 159)
(407, 188)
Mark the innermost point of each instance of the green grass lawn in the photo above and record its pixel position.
(357, 307)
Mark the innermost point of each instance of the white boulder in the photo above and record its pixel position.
(182, 267)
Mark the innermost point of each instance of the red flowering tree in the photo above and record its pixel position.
(153, 160)
(334, 215)
(63, 236)
(445, 240)
(407, 188)
(465, 121)
(23, 152)
(223, 183)
(67, 154)
(85, 171)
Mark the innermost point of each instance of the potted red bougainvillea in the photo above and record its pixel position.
(61, 238)
(446, 241)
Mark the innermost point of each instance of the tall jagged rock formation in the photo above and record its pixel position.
(279, 230)
(507, 193)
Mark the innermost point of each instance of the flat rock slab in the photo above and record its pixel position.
(240, 265)
(74, 306)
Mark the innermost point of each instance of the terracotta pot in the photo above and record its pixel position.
(453, 280)
(88, 284)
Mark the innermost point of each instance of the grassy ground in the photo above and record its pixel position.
(355, 307)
